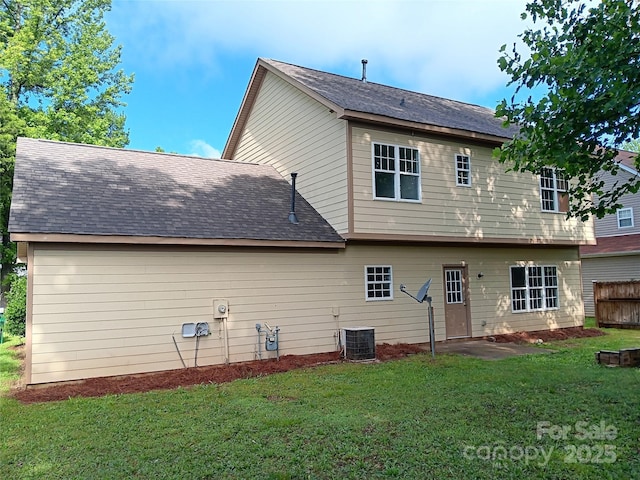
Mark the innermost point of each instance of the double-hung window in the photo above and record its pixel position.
(553, 191)
(396, 172)
(534, 288)
(625, 218)
(378, 282)
(463, 170)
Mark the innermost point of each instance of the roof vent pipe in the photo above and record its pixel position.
(292, 214)
(364, 70)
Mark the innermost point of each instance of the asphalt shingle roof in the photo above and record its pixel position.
(373, 98)
(66, 188)
(608, 245)
(628, 159)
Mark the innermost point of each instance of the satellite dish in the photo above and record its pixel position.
(422, 293)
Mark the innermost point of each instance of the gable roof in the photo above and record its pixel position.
(354, 99)
(73, 189)
(627, 161)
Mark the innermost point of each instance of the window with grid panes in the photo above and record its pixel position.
(378, 282)
(396, 172)
(553, 191)
(534, 288)
(463, 170)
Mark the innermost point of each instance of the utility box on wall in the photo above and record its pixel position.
(220, 309)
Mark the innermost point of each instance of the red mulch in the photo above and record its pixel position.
(546, 335)
(96, 387)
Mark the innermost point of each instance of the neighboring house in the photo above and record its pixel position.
(126, 247)
(616, 257)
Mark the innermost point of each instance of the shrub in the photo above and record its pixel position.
(16, 312)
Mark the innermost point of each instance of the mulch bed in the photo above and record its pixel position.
(96, 387)
(546, 335)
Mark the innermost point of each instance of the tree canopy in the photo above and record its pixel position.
(632, 145)
(59, 80)
(583, 63)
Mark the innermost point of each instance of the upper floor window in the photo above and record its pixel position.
(625, 218)
(378, 282)
(534, 288)
(553, 191)
(463, 170)
(396, 172)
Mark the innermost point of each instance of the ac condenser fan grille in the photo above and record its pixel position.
(359, 343)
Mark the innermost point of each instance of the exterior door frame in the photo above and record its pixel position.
(452, 325)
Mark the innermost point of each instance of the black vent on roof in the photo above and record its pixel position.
(293, 218)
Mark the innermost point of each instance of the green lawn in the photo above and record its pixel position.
(452, 417)
(9, 364)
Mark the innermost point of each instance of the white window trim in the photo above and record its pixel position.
(556, 190)
(396, 175)
(366, 284)
(527, 289)
(458, 170)
(626, 209)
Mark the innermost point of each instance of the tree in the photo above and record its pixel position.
(632, 145)
(58, 81)
(16, 311)
(584, 63)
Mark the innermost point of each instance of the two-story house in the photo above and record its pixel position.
(616, 257)
(142, 261)
(410, 181)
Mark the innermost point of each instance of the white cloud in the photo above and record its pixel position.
(200, 148)
(443, 47)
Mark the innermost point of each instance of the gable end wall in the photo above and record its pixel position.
(294, 133)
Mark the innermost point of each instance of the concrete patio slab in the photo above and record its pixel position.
(488, 350)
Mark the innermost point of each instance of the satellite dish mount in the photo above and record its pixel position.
(422, 295)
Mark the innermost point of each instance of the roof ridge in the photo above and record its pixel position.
(133, 150)
(271, 60)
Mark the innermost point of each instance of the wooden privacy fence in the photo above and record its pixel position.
(617, 304)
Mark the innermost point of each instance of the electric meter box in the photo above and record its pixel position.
(220, 309)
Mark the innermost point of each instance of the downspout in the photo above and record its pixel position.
(28, 360)
(226, 340)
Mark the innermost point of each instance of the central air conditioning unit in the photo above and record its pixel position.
(358, 343)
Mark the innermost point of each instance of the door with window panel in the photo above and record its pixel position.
(457, 309)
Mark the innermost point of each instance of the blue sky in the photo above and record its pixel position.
(192, 60)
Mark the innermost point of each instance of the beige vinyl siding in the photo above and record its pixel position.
(491, 298)
(109, 312)
(99, 311)
(607, 269)
(294, 133)
(498, 204)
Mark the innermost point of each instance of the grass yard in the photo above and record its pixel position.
(9, 365)
(540, 416)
